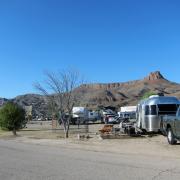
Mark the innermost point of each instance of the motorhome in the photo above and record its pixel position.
(79, 115)
(149, 111)
(127, 112)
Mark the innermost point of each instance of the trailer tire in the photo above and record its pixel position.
(170, 137)
(162, 130)
(131, 131)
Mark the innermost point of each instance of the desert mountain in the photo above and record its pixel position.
(128, 93)
(110, 94)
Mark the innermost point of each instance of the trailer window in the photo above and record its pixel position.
(146, 110)
(150, 110)
(167, 109)
(153, 110)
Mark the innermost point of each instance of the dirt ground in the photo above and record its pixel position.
(42, 133)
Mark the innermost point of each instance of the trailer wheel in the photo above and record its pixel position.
(170, 137)
(131, 131)
(162, 129)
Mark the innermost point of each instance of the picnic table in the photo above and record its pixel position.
(107, 128)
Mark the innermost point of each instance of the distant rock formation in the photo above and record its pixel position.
(107, 85)
(154, 76)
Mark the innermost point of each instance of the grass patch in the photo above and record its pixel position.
(2, 131)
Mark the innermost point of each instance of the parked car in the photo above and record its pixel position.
(119, 119)
(93, 116)
(111, 118)
(171, 127)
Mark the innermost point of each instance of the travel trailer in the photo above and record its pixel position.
(149, 111)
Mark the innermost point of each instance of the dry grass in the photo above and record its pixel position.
(43, 131)
(5, 133)
(41, 134)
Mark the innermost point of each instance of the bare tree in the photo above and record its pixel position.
(59, 90)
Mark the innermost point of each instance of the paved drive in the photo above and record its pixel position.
(23, 161)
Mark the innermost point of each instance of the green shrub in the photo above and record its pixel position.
(12, 117)
(147, 94)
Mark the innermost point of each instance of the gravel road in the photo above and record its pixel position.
(29, 159)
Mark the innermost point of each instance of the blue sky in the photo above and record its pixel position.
(106, 40)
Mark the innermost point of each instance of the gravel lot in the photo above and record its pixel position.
(42, 133)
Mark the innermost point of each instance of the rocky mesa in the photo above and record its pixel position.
(128, 93)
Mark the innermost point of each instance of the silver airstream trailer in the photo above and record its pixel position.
(149, 111)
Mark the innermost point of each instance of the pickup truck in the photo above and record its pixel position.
(171, 127)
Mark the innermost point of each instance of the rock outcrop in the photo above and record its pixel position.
(154, 76)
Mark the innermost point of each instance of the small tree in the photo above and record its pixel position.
(60, 92)
(147, 94)
(12, 117)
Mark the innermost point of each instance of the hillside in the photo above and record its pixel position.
(38, 103)
(128, 93)
(110, 94)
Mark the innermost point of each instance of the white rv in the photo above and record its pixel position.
(127, 112)
(79, 115)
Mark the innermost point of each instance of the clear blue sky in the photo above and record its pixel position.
(107, 40)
